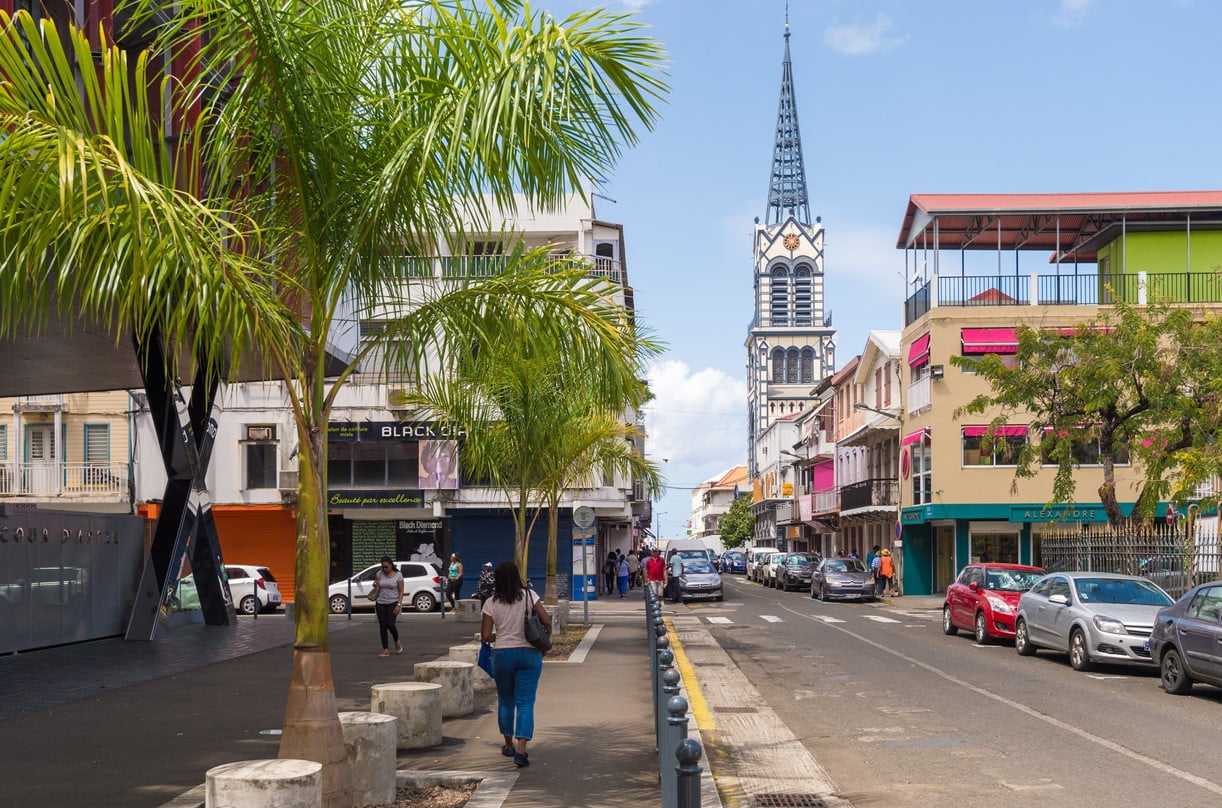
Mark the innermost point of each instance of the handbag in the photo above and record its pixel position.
(373, 590)
(535, 633)
(484, 660)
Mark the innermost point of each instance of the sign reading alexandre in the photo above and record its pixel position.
(1057, 514)
(374, 431)
(376, 499)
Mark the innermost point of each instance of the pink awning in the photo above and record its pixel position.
(989, 340)
(1007, 431)
(918, 352)
(914, 437)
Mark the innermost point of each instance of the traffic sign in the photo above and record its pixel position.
(583, 516)
(1171, 514)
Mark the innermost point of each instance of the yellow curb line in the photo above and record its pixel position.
(695, 697)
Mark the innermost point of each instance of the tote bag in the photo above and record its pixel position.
(536, 634)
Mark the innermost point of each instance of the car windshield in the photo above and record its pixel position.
(844, 565)
(1000, 580)
(697, 567)
(691, 554)
(735, 556)
(1120, 590)
(802, 560)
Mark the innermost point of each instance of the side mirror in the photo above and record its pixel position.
(1060, 600)
(973, 586)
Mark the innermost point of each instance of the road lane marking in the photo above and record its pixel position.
(879, 619)
(721, 621)
(771, 618)
(826, 618)
(1103, 677)
(1153, 763)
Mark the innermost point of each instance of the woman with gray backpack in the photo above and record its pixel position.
(519, 628)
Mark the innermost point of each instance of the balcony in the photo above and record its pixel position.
(825, 502)
(918, 395)
(98, 481)
(869, 494)
(1062, 290)
(453, 267)
(49, 403)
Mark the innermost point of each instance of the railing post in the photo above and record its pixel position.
(665, 660)
(1033, 292)
(673, 731)
(688, 755)
(254, 589)
(1143, 290)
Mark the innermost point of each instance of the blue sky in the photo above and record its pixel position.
(894, 97)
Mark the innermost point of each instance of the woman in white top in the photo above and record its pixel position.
(389, 584)
(516, 664)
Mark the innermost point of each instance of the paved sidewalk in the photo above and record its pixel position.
(133, 724)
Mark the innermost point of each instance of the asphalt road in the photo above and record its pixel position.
(901, 715)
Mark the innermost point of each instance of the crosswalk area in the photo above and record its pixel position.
(907, 619)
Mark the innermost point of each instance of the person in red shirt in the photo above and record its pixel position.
(655, 573)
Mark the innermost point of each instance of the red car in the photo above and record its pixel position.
(984, 599)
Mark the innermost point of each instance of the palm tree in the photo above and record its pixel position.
(308, 147)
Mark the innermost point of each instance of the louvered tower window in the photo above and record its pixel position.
(780, 296)
(802, 296)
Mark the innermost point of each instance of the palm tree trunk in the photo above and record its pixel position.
(553, 530)
(311, 717)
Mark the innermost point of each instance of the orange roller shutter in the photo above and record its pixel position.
(263, 536)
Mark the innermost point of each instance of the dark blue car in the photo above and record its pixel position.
(733, 561)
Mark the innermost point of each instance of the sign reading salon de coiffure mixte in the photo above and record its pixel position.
(374, 431)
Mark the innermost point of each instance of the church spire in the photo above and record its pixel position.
(787, 182)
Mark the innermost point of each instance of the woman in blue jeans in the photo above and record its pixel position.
(516, 664)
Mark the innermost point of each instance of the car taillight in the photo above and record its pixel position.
(436, 580)
(259, 583)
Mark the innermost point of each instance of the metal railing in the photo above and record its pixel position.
(99, 480)
(882, 492)
(489, 266)
(679, 756)
(825, 501)
(919, 394)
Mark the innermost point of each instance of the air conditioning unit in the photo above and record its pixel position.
(288, 481)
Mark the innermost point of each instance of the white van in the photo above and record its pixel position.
(756, 555)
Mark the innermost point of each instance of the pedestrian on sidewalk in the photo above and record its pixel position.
(388, 582)
(621, 574)
(886, 572)
(634, 570)
(454, 580)
(655, 573)
(870, 556)
(516, 664)
(609, 567)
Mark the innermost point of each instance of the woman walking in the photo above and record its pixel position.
(454, 580)
(609, 567)
(388, 582)
(621, 574)
(516, 664)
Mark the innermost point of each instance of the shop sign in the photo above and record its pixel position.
(914, 516)
(406, 431)
(1056, 515)
(376, 499)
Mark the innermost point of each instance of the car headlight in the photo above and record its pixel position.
(999, 605)
(1109, 625)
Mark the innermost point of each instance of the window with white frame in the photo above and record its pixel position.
(1087, 452)
(3, 441)
(97, 453)
(999, 449)
(921, 460)
(260, 451)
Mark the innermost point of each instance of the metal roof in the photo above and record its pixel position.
(1062, 223)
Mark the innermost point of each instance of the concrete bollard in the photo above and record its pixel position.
(370, 739)
(272, 783)
(416, 707)
(468, 610)
(469, 653)
(457, 680)
(560, 617)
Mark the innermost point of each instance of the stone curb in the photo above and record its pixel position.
(492, 791)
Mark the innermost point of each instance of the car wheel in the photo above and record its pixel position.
(948, 625)
(982, 629)
(247, 605)
(424, 602)
(1022, 643)
(1079, 657)
(338, 604)
(1175, 679)
(822, 593)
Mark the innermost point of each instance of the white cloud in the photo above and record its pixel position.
(864, 252)
(637, 3)
(1072, 13)
(697, 420)
(859, 39)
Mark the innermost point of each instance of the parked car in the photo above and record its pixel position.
(247, 582)
(984, 598)
(793, 571)
(1095, 616)
(734, 561)
(841, 578)
(756, 556)
(698, 579)
(1186, 640)
(420, 587)
(766, 570)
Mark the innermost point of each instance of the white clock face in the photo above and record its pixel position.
(792, 241)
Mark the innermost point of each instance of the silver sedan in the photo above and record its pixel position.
(1094, 616)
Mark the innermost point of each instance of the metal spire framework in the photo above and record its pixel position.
(787, 182)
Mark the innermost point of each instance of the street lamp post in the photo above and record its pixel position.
(888, 413)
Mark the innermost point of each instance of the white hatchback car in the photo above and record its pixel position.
(250, 581)
(420, 587)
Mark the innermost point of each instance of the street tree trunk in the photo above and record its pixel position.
(553, 534)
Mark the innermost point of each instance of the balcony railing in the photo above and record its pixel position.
(826, 501)
(89, 480)
(452, 267)
(881, 493)
(1062, 290)
(48, 403)
(918, 395)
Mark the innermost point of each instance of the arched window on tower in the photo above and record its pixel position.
(780, 296)
(778, 365)
(791, 366)
(808, 366)
(802, 296)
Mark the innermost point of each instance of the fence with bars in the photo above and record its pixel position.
(1177, 558)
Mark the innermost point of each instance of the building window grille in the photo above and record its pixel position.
(808, 366)
(802, 297)
(778, 366)
(780, 296)
(791, 366)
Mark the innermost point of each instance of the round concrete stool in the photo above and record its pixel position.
(560, 616)
(468, 610)
(370, 739)
(271, 783)
(469, 653)
(457, 680)
(416, 705)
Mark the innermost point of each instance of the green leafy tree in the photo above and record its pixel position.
(1137, 383)
(737, 525)
(310, 146)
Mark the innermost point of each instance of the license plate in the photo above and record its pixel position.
(274, 598)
